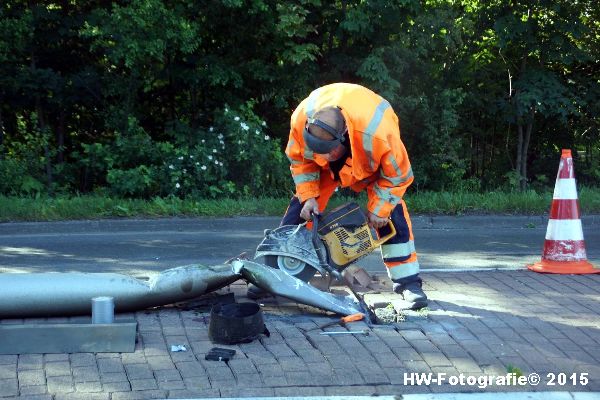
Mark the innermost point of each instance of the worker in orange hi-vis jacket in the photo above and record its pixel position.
(345, 135)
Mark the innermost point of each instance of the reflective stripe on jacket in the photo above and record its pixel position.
(378, 162)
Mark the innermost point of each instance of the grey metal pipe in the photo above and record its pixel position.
(62, 294)
(279, 282)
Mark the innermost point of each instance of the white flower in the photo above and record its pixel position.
(203, 168)
(177, 185)
(185, 171)
(203, 140)
(220, 163)
(226, 109)
(264, 123)
(197, 163)
(191, 156)
(220, 136)
(211, 129)
(236, 118)
(214, 150)
(171, 166)
(216, 162)
(180, 158)
(239, 142)
(210, 157)
(244, 126)
(222, 142)
(267, 137)
(257, 132)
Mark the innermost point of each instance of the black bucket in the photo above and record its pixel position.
(236, 323)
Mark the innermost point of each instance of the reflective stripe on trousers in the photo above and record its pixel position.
(398, 253)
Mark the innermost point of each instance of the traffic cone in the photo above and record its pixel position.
(564, 248)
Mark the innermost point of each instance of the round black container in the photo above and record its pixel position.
(235, 323)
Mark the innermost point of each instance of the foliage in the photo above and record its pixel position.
(129, 98)
(527, 59)
(234, 157)
(22, 169)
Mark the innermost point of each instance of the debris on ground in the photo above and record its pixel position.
(385, 315)
(175, 348)
(364, 332)
(387, 306)
(219, 354)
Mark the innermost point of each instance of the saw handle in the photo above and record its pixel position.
(342, 321)
(352, 318)
(322, 257)
(380, 240)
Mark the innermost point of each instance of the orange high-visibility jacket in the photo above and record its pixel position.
(378, 161)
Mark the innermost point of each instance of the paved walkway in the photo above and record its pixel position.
(478, 324)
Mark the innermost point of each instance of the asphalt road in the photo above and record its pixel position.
(139, 247)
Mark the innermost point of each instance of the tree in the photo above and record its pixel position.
(528, 49)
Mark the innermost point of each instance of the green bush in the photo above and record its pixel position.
(135, 182)
(23, 163)
(256, 162)
(15, 179)
(427, 124)
(233, 157)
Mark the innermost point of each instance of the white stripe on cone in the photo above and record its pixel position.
(564, 229)
(565, 189)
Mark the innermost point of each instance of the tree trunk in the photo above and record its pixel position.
(1, 130)
(172, 110)
(42, 127)
(523, 137)
(519, 165)
(343, 38)
(523, 140)
(130, 97)
(47, 154)
(507, 147)
(60, 137)
(195, 120)
(492, 145)
(526, 140)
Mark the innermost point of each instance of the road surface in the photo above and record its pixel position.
(140, 247)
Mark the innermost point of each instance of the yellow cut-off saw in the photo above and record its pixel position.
(337, 239)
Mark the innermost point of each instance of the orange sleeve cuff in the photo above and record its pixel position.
(307, 193)
(384, 211)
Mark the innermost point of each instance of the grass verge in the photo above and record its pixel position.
(98, 207)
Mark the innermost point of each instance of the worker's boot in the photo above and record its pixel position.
(255, 293)
(412, 292)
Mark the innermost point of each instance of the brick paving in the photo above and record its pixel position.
(479, 323)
